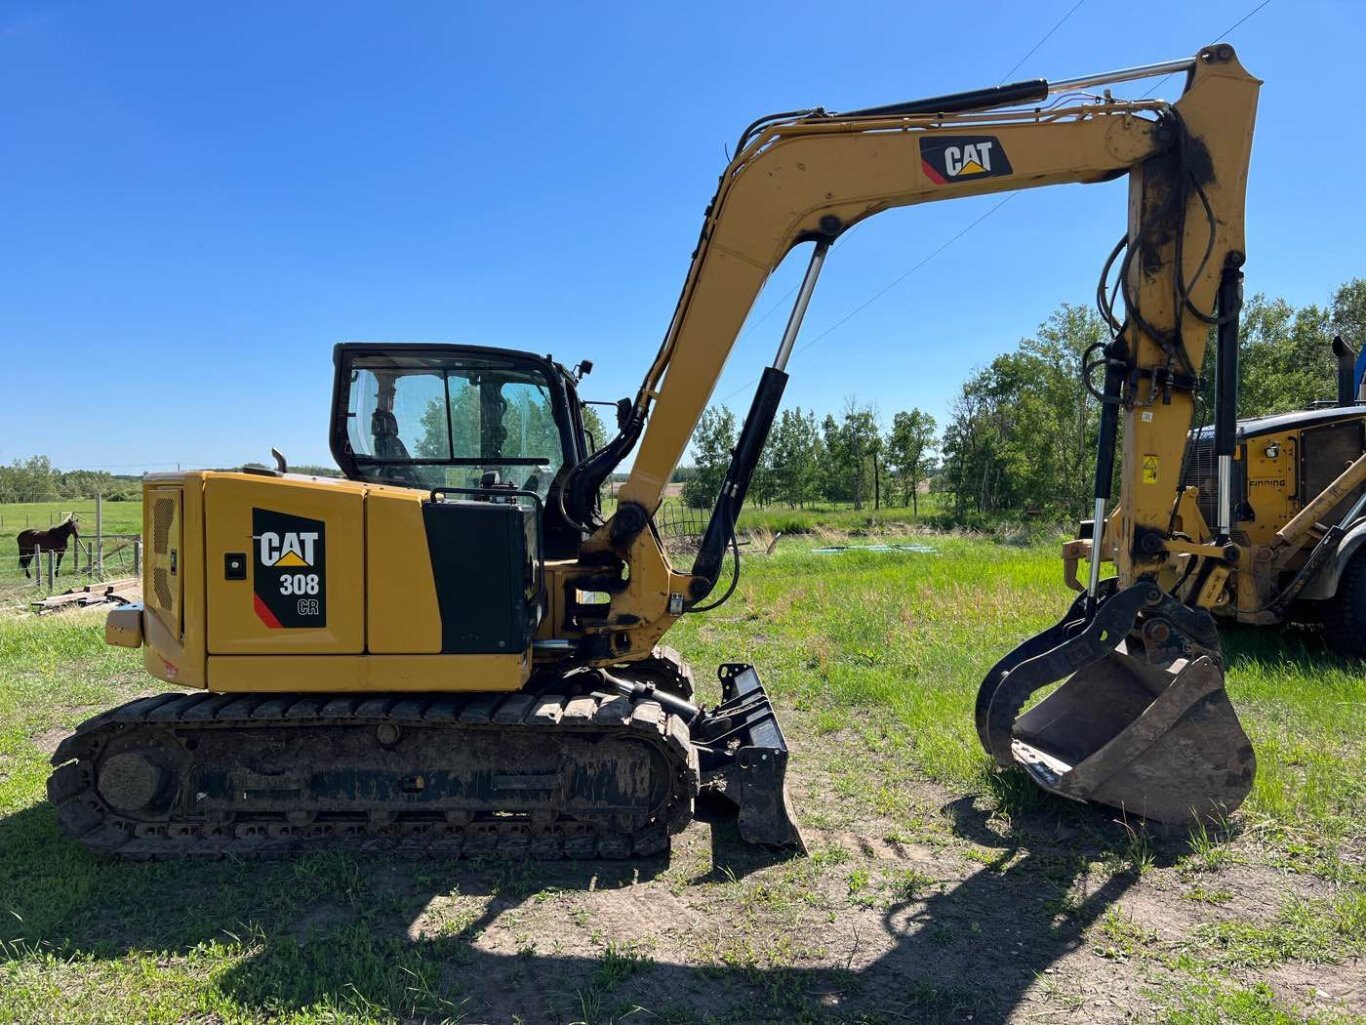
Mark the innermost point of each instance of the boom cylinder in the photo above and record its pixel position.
(1034, 90)
(798, 314)
(750, 446)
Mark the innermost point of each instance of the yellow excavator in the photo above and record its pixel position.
(451, 650)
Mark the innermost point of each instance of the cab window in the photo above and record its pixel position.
(457, 422)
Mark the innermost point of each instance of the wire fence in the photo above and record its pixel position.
(97, 560)
(104, 544)
(680, 526)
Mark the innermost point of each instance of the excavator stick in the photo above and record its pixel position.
(1141, 721)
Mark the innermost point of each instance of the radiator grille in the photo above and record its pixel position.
(161, 587)
(1202, 472)
(163, 514)
(161, 580)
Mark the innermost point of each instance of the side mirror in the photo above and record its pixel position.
(624, 407)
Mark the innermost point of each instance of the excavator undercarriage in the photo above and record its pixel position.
(532, 774)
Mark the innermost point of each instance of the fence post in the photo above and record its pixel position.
(137, 558)
(51, 571)
(99, 533)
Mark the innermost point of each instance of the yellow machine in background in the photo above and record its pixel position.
(451, 649)
(1296, 515)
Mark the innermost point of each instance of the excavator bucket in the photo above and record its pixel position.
(1141, 721)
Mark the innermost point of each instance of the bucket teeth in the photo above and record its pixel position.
(1141, 721)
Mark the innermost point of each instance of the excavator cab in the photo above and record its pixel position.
(478, 422)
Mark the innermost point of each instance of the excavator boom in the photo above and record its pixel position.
(808, 178)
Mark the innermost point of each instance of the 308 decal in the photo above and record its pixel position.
(289, 584)
(299, 583)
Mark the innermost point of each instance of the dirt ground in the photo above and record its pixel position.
(1039, 921)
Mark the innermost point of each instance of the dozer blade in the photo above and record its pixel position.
(742, 755)
(1142, 722)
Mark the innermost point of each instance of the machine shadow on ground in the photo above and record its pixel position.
(406, 939)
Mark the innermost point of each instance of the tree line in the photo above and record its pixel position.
(1021, 433)
(35, 479)
(848, 458)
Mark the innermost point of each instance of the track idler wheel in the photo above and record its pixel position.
(1141, 721)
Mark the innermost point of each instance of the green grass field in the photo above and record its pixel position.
(119, 517)
(936, 889)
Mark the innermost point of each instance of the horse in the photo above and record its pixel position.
(54, 539)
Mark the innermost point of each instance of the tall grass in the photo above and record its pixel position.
(898, 642)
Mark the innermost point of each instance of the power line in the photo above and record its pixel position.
(1040, 43)
(944, 245)
(1158, 84)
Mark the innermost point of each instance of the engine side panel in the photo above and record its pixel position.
(402, 616)
(284, 566)
(259, 583)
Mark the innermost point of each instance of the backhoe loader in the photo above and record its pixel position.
(1297, 514)
(451, 650)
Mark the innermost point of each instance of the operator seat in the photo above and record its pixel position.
(384, 429)
(388, 445)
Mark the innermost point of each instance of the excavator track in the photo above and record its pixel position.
(519, 775)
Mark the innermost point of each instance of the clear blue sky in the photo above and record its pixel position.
(198, 200)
